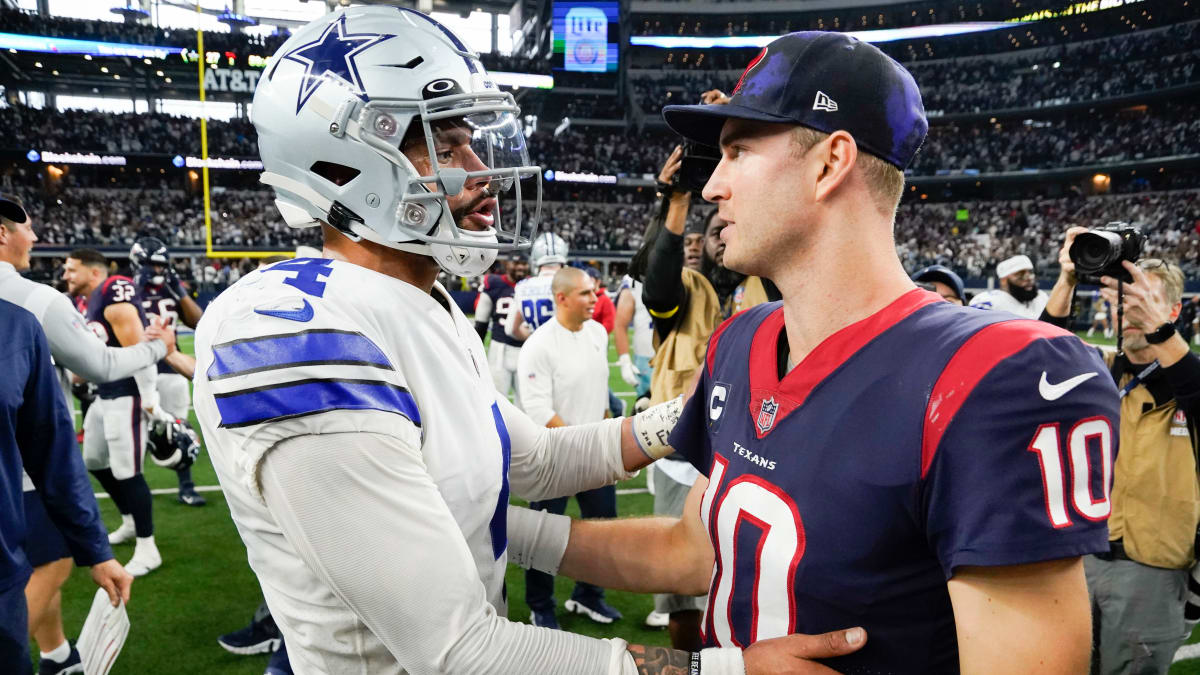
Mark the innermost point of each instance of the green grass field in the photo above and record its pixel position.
(205, 587)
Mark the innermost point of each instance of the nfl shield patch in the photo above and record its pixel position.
(766, 415)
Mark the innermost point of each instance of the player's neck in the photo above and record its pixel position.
(566, 322)
(411, 268)
(826, 292)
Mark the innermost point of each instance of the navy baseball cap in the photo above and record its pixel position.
(824, 81)
(12, 209)
(946, 276)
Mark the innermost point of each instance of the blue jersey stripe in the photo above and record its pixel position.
(309, 397)
(499, 525)
(324, 346)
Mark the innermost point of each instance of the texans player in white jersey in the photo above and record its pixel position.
(165, 301)
(364, 453)
(533, 296)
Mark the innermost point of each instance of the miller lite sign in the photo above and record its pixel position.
(586, 44)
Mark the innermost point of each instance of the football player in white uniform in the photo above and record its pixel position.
(532, 296)
(364, 453)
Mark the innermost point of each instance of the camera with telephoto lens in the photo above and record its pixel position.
(696, 166)
(1099, 252)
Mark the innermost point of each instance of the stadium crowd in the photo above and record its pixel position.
(1113, 67)
(988, 147)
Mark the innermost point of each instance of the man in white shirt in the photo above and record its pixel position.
(563, 371)
(1018, 292)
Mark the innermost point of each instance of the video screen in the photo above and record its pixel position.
(585, 35)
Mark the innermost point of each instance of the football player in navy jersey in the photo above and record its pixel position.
(494, 305)
(871, 455)
(114, 429)
(166, 301)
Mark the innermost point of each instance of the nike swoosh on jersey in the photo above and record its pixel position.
(1053, 392)
(301, 314)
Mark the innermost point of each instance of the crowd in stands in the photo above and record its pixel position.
(1041, 34)
(122, 133)
(1103, 137)
(970, 236)
(1100, 69)
(994, 230)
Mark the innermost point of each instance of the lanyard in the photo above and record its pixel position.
(1137, 379)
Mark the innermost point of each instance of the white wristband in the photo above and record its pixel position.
(652, 427)
(537, 539)
(722, 661)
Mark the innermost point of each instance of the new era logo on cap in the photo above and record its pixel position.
(823, 102)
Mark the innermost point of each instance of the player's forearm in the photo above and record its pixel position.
(189, 311)
(184, 364)
(621, 337)
(642, 555)
(80, 351)
(550, 463)
(1059, 303)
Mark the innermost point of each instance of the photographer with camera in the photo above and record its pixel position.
(1139, 587)
(686, 304)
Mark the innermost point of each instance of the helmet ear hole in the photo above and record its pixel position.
(338, 174)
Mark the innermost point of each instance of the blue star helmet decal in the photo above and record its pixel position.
(332, 53)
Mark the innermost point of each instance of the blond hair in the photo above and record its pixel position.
(885, 181)
(1169, 273)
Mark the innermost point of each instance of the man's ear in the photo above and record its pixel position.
(837, 154)
(1175, 309)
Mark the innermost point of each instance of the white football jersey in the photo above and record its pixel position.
(643, 323)
(535, 298)
(315, 346)
(1000, 299)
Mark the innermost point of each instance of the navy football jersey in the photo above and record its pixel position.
(157, 303)
(923, 438)
(500, 290)
(113, 290)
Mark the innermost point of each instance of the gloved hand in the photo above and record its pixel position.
(173, 284)
(629, 371)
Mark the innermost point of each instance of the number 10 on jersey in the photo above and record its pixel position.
(1077, 478)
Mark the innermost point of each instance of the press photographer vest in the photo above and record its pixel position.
(1156, 493)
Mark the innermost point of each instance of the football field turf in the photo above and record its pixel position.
(205, 587)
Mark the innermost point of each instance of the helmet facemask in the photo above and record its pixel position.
(467, 145)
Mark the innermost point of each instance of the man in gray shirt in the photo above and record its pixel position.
(77, 349)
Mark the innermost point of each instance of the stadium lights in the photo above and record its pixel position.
(146, 61)
(37, 64)
(158, 73)
(104, 69)
(873, 36)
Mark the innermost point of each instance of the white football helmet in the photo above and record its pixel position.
(333, 107)
(548, 249)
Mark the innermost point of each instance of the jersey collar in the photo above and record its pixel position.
(783, 396)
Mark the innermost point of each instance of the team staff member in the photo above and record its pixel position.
(37, 435)
(563, 370)
(945, 282)
(75, 348)
(1138, 585)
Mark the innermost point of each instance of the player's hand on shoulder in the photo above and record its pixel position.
(795, 653)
